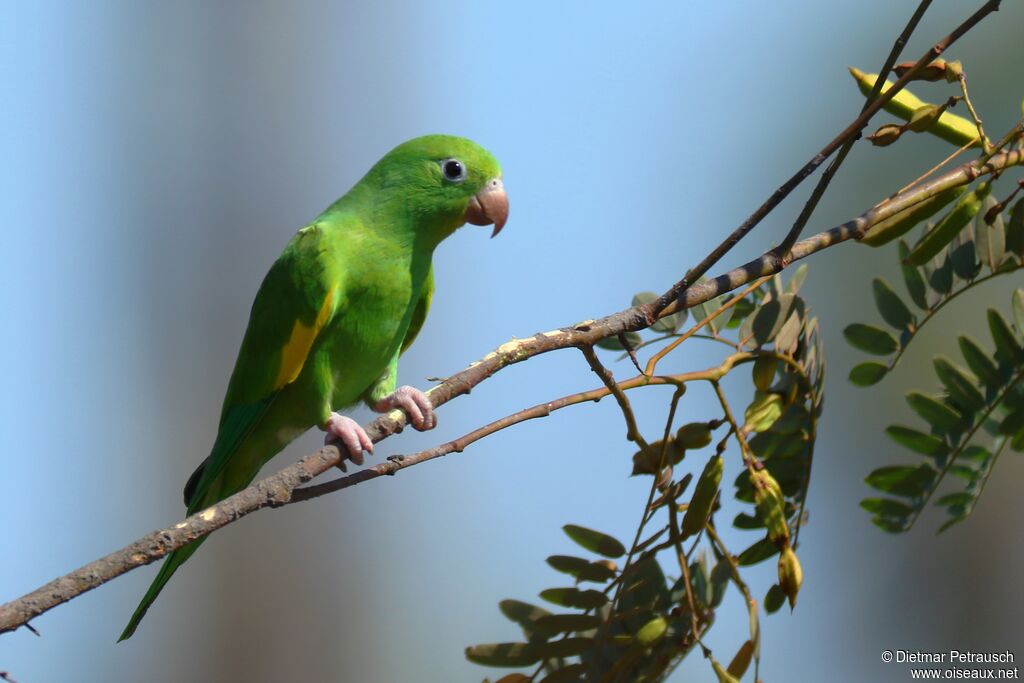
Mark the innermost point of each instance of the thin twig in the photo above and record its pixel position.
(678, 290)
(833, 167)
(986, 145)
(606, 376)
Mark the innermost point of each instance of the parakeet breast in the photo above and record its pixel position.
(383, 281)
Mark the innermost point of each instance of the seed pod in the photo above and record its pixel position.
(954, 70)
(723, 675)
(954, 221)
(950, 127)
(694, 435)
(703, 497)
(936, 71)
(769, 502)
(900, 223)
(790, 575)
(886, 135)
(652, 631)
(764, 372)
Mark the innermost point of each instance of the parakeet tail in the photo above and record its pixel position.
(171, 564)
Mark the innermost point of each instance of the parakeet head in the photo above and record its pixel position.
(441, 182)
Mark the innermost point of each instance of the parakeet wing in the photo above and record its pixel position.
(293, 304)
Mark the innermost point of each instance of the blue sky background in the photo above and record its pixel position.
(157, 156)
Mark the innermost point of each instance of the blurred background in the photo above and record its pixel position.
(156, 158)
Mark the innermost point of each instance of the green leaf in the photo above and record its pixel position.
(644, 586)
(789, 335)
(941, 277)
(703, 310)
(745, 521)
(891, 525)
(1008, 351)
(797, 281)
(1012, 423)
(643, 298)
(522, 613)
(919, 442)
(955, 499)
(991, 238)
(774, 599)
(581, 569)
(565, 647)
(503, 654)
(1018, 309)
(912, 278)
(595, 541)
(567, 623)
(890, 305)
(871, 339)
(704, 495)
(902, 480)
(571, 673)
(887, 507)
(740, 311)
(574, 597)
(979, 362)
(759, 552)
(668, 324)
(963, 255)
(613, 344)
(764, 411)
(648, 460)
(959, 384)
(867, 373)
(941, 417)
(776, 444)
(770, 317)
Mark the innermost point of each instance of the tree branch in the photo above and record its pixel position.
(283, 487)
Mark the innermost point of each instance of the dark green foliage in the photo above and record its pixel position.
(595, 541)
(959, 437)
(633, 623)
(977, 416)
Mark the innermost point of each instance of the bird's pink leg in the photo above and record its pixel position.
(350, 434)
(414, 403)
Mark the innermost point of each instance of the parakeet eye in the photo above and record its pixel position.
(453, 170)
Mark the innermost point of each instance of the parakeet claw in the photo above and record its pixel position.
(414, 403)
(350, 434)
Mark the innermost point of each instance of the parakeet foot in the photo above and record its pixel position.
(414, 403)
(350, 434)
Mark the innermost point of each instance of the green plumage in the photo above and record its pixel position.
(346, 297)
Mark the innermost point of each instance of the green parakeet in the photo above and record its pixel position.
(344, 300)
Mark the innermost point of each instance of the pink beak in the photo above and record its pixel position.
(489, 205)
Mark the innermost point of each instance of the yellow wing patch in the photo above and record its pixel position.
(296, 350)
